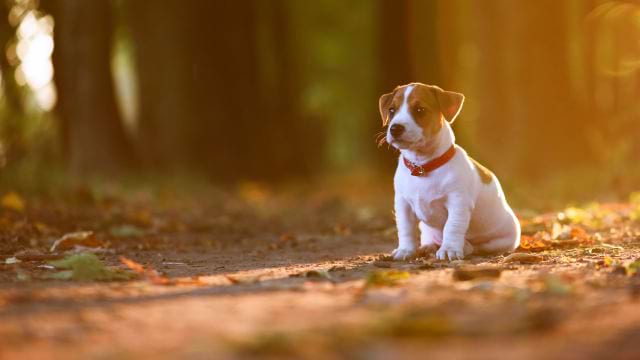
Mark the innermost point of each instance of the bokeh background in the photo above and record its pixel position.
(286, 90)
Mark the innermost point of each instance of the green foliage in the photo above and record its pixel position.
(336, 45)
(87, 267)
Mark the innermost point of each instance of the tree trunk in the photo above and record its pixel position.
(162, 36)
(93, 137)
(229, 121)
(290, 138)
(12, 124)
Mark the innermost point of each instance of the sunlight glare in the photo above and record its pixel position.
(28, 27)
(617, 28)
(34, 49)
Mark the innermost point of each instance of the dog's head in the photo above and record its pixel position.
(416, 113)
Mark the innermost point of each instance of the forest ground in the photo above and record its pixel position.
(259, 272)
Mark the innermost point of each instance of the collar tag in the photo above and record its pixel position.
(422, 170)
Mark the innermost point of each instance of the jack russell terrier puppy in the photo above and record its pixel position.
(457, 203)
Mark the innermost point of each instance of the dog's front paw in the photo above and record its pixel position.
(403, 253)
(450, 252)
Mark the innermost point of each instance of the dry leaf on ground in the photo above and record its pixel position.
(13, 201)
(465, 273)
(74, 239)
(525, 258)
(86, 267)
(154, 277)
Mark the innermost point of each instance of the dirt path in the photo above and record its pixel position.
(315, 287)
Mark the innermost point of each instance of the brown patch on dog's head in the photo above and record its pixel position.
(389, 103)
(425, 109)
(428, 104)
(485, 174)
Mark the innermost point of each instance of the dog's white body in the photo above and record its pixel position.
(457, 212)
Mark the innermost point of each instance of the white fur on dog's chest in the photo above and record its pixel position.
(426, 196)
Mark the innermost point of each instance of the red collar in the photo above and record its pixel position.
(421, 170)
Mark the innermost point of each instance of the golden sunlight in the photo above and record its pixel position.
(617, 29)
(34, 49)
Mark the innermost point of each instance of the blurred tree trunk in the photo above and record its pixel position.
(425, 45)
(219, 88)
(11, 126)
(163, 35)
(93, 136)
(10, 88)
(249, 119)
(292, 139)
(396, 63)
(226, 88)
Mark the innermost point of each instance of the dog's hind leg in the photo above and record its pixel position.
(497, 246)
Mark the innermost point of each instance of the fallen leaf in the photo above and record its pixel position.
(61, 275)
(13, 201)
(533, 243)
(385, 257)
(385, 278)
(79, 238)
(525, 258)
(466, 273)
(607, 261)
(233, 279)
(126, 230)
(324, 274)
(86, 267)
(154, 277)
(11, 260)
(245, 280)
(633, 267)
(150, 274)
(578, 233)
(382, 264)
(629, 269)
(611, 247)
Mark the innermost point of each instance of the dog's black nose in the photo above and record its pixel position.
(396, 130)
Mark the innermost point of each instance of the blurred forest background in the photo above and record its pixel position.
(284, 89)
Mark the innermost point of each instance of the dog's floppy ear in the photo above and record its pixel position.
(384, 103)
(450, 103)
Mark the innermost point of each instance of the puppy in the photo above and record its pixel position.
(457, 204)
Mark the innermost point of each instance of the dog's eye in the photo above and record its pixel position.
(419, 109)
(392, 110)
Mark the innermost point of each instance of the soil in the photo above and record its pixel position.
(258, 272)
